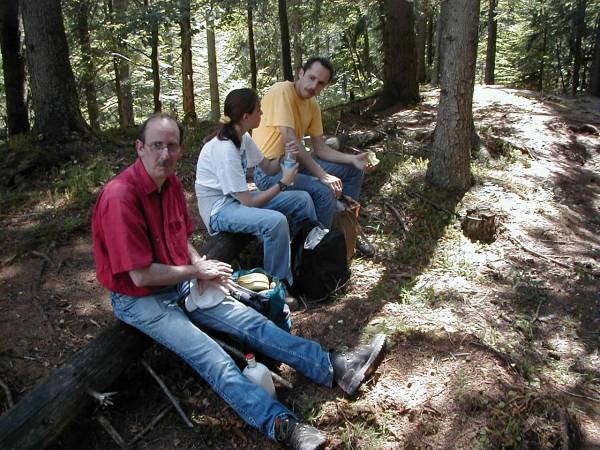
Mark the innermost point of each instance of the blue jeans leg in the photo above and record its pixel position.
(351, 177)
(321, 194)
(269, 225)
(297, 206)
(236, 319)
(160, 317)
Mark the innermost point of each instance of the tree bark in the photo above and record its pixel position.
(540, 86)
(315, 26)
(399, 66)
(54, 94)
(89, 68)
(579, 26)
(213, 80)
(490, 55)
(252, 48)
(121, 64)
(154, 57)
(296, 31)
(187, 73)
(595, 77)
(366, 52)
(39, 417)
(420, 46)
(437, 58)
(286, 58)
(450, 163)
(13, 68)
(430, 36)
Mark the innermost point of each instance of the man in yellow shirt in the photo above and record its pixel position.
(290, 111)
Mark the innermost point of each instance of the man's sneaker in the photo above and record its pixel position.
(352, 367)
(299, 436)
(365, 249)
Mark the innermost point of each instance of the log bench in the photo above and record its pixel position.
(39, 417)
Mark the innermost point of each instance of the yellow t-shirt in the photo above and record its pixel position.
(282, 107)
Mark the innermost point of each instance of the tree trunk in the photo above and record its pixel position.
(430, 35)
(437, 58)
(579, 26)
(213, 80)
(13, 67)
(39, 417)
(595, 77)
(399, 67)
(154, 57)
(253, 69)
(55, 102)
(296, 31)
(540, 86)
(122, 72)
(450, 163)
(366, 52)
(187, 73)
(286, 59)
(315, 26)
(490, 55)
(421, 36)
(87, 58)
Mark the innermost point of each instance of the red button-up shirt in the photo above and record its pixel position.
(135, 225)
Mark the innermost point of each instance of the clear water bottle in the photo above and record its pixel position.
(289, 159)
(259, 374)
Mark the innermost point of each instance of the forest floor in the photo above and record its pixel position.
(490, 345)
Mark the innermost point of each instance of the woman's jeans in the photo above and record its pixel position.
(270, 224)
(321, 194)
(160, 317)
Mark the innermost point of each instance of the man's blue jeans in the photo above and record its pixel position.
(160, 317)
(321, 194)
(270, 224)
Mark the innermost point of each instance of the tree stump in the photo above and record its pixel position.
(479, 226)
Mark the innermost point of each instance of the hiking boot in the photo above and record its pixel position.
(365, 249)
(299, 436)
(352, 367)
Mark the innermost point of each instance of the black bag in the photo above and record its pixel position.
(322, 271)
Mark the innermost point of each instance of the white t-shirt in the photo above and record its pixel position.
(221, 171)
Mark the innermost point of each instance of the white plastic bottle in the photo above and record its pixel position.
(259, 374)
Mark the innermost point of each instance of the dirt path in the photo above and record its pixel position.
(490, 344)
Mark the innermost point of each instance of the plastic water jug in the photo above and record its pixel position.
(259, 374)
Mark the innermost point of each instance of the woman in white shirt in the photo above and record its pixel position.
(224, 201)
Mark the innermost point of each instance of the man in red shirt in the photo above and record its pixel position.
(141, 229)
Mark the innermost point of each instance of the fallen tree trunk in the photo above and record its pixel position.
(40, 417)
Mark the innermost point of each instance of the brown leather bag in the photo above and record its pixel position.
(346, 220)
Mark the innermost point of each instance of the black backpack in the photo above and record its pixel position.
(322, 271)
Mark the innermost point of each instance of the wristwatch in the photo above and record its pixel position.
(282, 186)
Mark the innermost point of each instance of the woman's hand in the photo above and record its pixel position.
(289, 174)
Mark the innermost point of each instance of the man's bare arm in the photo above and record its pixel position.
(157, 274)
(323, 151)
(302, 156)
(311, 165)
(162, 275)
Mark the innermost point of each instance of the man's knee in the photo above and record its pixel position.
(277, 225)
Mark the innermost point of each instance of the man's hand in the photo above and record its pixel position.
(361, 162)
(223, 284)
(293, 147)
(334, 183)
(209, 269)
